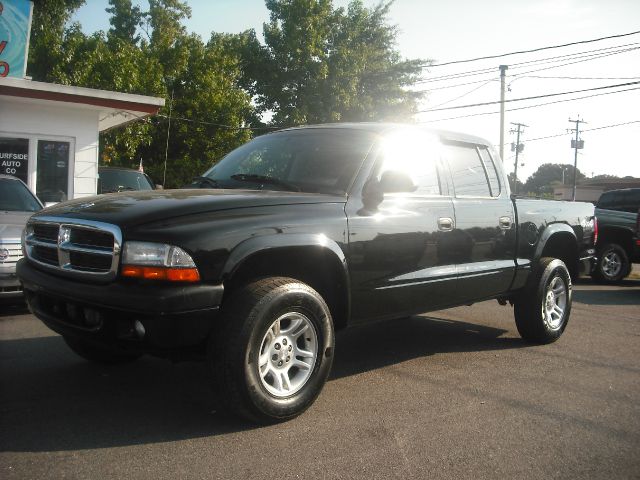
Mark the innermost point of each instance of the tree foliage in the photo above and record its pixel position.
(317, 64)
(321, 64)
(512, 185)
(125, 21)
(47, 53)
(548, 175)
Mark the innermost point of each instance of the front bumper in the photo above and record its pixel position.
(10, 287)
(173, 317)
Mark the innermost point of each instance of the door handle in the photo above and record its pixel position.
(505, 223)
(445, 224)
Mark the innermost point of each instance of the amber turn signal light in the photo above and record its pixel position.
(161, 273)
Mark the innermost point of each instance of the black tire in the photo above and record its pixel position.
(237, 350)
(613, 264)
(532, 307)
(97, 354)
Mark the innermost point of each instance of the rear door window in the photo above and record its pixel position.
(467, 170)
(492, 173)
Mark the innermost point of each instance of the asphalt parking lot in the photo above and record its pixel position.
(452, 394)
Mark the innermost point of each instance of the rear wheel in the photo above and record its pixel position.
(98, 354)
(613, 264)
(272, 353)
(543, 307)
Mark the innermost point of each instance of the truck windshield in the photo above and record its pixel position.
(321, 160)
(115, 180)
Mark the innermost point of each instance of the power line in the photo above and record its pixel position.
(495, 79)
(585, 130)
(521, 75)
(219, 125)
(574, 78)
(528, 106)
(586, 58)
(554, 59)
(489, 57)
(528, 98)
(464, 94)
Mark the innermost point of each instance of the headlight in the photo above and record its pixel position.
(157, 261)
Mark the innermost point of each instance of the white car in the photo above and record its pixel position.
(17, 204)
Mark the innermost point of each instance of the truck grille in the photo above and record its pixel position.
(10, 252)
(76, 248)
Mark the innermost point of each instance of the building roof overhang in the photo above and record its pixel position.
(115, 109)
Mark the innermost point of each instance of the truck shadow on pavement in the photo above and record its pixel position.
(370, 347)
(51, 400)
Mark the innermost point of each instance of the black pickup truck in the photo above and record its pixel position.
(290, 237)
(618, 213)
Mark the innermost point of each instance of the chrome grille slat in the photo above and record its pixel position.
(70, 247)
(14, 250)
(75, 248)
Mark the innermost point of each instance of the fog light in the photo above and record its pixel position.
(92, 318)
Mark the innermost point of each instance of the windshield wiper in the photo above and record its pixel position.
(204, 181)
(252, 177)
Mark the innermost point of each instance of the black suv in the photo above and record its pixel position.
(119, 179)
(619, 234)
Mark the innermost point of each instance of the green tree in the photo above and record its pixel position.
(206, 102)
(164, 21)
(605, 176)
(125, 20)
(321, 64)
(47, 55)
(204, 81)
(540, 182)
(520, 189)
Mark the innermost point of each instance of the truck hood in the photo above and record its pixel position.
(12, 224)
(137, 208)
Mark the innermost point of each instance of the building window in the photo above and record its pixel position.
(52, 171)
(14, 157)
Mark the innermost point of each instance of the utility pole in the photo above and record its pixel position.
(166, 148)
(576, 144)
(503, 70)
(518, 147)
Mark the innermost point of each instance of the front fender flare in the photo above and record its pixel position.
(253, 245)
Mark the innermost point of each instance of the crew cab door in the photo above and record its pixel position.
(484, 233)
(399, 228)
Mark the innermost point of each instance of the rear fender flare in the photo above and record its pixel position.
(552, 231)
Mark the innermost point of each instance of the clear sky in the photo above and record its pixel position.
(461, 29)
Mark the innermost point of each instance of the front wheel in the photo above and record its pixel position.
(273, 350)
(543, 307)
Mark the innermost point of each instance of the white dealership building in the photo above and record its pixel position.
(49, 133)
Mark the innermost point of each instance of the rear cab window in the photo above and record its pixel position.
(472, 170)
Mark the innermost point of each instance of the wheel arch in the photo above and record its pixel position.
(620, 236)
(559, 241)
(311, 258)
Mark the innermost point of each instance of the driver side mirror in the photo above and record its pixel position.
(372, 195)
(395, 181)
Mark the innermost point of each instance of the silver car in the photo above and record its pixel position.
(17, 203)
